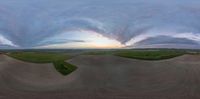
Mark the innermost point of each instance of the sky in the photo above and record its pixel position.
(99, 24)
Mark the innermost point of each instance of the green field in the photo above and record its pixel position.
(141, 54)
(100, 53)
(149, 55)
(39, 57)
(58, 59)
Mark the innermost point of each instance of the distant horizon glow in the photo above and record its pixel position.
(89, 39)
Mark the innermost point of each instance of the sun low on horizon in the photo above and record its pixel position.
(82, 39)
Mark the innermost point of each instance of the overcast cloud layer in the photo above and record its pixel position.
(122, 23)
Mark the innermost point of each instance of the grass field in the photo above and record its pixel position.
(150, 55)
(38, 57)
(100, 53)
(141, 54)
(58, 59)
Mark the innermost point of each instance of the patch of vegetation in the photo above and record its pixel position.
(149, 55)
(38, 57)
(100, 53)
(58, 59)
(143, 54)
(64, 68)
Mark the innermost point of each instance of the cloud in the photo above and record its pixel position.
(163, 38)
(126, 22)
(5, 42)
(166, 40)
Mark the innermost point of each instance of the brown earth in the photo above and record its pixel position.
(102, 77)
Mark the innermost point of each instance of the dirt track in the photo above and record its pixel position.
(102, 77)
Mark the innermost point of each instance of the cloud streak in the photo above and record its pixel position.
(4, 41)
(195, 37)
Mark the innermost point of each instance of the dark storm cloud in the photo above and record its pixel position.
(28, 23)
(166, 40)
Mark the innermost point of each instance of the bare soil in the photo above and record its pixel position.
(102, 77)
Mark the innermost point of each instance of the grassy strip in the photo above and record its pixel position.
(149, 55)
(58, 59)
(37, 57)
(141, 54)
(99, 53)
